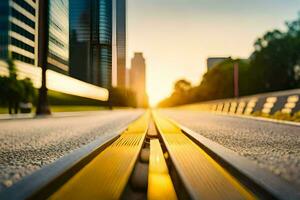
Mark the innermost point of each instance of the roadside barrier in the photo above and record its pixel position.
(286, 102)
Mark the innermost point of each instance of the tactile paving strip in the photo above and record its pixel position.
(106, 176)
(203, 177)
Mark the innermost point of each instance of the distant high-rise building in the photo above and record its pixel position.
(105, 39)
(138, 79)
(58, 55)
(91, 41)
(127, 78)
(213, 61)
(19, 30)
(121, 33)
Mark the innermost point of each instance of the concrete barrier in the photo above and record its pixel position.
(287, 102)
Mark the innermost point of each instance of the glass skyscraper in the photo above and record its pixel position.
(58, 56)
(91, 41)
(80, 40)
(18, 30)
(121, 33)
(105, 39)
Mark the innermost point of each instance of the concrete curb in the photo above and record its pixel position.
(244, 168)
(49, 178)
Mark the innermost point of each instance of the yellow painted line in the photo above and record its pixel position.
(203, 176)
(160, 185)
(106, 176)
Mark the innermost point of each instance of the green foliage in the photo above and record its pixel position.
(14, 91)
(275, 57)
(12, 68)
(28, 90)
(62, 99)
(273, 66)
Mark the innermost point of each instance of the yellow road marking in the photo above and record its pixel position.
(106, 176)
(205, 178)
(160, 185)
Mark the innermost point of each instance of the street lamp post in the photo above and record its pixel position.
(42, 105)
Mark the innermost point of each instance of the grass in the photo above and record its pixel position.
(58, 98)
(76, 108)
(65, 108)
(68, 103)
(3, 110)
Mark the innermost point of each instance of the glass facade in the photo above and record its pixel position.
(58, 57)
(121, 20)
(4, 13)
(18, 30)
(80, 40)
(105, 37)
(91, 41)
(80, 20)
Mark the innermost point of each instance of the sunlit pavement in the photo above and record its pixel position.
(28, 144)
(273, 146)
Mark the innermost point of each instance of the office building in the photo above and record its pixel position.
(91, 41)
(22, 36)
(105, 40)
(213, 61)
(80, 40)
(127, 78)
(19, 37)
(121, 34)
(58, 55)
(19, 30)
(138, 79)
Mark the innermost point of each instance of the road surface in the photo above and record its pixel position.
(271, 145)
(27, 145)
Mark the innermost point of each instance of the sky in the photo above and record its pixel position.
(177, 36)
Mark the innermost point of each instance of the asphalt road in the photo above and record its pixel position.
(27, 145)
(271, 145)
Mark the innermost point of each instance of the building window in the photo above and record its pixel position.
(22, 58)
(23, 18)
(22, 45)
(22, 32)
(26, 6)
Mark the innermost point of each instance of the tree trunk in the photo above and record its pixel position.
(16, 108)
(10, 108)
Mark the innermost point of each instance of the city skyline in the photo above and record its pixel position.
(121, 43)
(208, 28)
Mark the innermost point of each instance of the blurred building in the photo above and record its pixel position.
(91, 41)
(19, 33)
(105, 38)
(121, 33)
(213, 61)
(19, 30)
(21, 36)
(58, 55)
(127, 78)
(138, 79)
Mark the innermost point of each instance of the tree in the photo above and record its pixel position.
(274, 65)
(275, 57)
(29, 91)
(182, 86)
(14, 91)
(122, 97)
